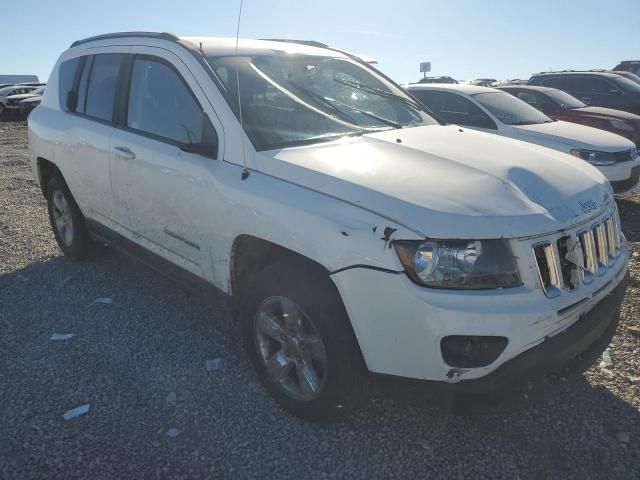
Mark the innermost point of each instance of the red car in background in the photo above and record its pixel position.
(560, 105)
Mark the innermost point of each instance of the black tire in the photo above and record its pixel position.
(79, 245)
(345, 376)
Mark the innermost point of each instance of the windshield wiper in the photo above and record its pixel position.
(384, 120)
(324, 101)
(379, 92)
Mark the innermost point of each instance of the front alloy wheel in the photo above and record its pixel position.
(290, 348)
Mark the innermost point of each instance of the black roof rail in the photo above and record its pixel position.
(108, 36)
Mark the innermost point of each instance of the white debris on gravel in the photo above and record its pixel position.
(171, 397)
(104, 300)
(61, 336)
(76, 412)
(214, 364)
(173, 432)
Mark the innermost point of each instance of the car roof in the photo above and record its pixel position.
(225, 46)
(466, 89)
(577, 72)
(535, 88)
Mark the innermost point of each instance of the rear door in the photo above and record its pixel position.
(164, 193)
(87, 89)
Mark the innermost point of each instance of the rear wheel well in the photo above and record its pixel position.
(251, 254)
(46, 171)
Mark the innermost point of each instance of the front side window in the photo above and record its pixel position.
(162, 105)
(288, 99)
(101, 90)
(509, 109)
(454, 108)
(564, 100)
(66, 76)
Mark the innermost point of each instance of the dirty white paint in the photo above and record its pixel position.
(333, 202)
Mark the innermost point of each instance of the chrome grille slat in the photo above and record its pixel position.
(577, 257)
(601, 248)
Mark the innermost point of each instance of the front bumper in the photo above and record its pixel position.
(622, 176)
(399, 325)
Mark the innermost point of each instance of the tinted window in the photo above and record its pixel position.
(537, 100)
(103, 80)
(66, 76)
(563, 83)
(161, 104)
(82, 87)
(454, 108)
(594, 84)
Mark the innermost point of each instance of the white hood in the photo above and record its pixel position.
(447, 182)
(573, 135)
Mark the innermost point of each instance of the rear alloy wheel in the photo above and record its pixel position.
(67, 220)
(299, 338)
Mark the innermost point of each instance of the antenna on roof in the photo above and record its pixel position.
(245, 172)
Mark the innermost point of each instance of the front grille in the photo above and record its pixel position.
(626, 155)
(578, 258)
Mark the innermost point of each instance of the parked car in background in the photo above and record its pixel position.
(441, 79)
(628, 75)
(12, 90)
(354, 231)
(559, 105)
(13, 103)
(632, 66)
(483, 82)
(14, 79)
(26, 106)
(495, 111)
(600, 89)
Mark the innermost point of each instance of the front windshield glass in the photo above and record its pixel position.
(289, 99)
(564, 100)
(509, 109)
(626, 84)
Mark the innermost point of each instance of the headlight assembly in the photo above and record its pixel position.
(598, 159)
(459, 264)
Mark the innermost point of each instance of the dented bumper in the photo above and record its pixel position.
(400, 326)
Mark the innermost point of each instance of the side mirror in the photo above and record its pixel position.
(208, 145)
(71, 101)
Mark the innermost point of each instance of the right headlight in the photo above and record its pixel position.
(598, 159)
(459, 264)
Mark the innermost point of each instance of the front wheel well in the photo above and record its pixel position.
(46, 171)
(251, 254)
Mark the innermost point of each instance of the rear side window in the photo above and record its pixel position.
(562, 83)
(102, 84)
(66, 76)
(161, 104)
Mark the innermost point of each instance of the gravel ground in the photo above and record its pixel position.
(140, 363)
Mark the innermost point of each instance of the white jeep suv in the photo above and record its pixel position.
(355, 232)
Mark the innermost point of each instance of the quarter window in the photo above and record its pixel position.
(103, 80)
(162, 105)
(66, 77)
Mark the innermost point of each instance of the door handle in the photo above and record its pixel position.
(125, 152)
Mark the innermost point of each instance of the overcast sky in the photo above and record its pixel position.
(465, 39)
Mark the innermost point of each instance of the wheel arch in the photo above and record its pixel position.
(250, 254)
(46, 171)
